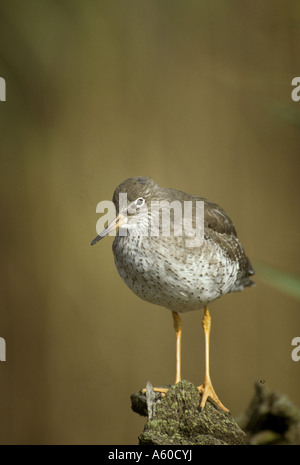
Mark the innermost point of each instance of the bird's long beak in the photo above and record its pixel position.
(114, 225)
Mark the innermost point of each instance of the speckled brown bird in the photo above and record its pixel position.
(164, 268)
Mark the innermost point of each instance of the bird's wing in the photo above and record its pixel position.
(217, 220)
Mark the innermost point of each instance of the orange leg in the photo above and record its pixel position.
(178, 332)
(206, 389)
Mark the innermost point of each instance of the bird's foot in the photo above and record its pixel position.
(206, 390)
(161, 390)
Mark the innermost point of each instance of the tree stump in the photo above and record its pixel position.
(176, 418)
(271, 418)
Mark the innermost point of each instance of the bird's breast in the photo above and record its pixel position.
(165, 272)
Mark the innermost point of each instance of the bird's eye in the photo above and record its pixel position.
(140, 202)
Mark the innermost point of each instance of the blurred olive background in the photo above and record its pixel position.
(197, 95)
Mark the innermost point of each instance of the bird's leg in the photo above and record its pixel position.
(206, 389)
(178, 331)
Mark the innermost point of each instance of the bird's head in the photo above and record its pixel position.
(131, 199)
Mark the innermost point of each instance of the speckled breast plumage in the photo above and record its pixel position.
(163, 271)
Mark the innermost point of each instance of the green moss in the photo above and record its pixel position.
(178, 420)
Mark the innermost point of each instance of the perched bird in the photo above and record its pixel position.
(171, 253)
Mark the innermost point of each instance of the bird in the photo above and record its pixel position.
(183, 263)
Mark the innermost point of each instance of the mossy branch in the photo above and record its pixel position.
(177, 419)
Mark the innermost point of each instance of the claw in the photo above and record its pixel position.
(162, 391)
(206, 390)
